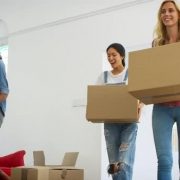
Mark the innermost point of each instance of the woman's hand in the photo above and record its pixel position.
(140, 106)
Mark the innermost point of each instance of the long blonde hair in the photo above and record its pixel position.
(160, 32)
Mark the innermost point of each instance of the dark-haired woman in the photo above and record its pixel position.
(120, 137)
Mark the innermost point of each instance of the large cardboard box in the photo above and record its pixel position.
(111, 103)
(30, 173)
(154, 74)
(66, 173)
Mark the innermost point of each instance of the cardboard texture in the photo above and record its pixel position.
(19, 173)
(66, 174)
(69, 159)
(40, 173)
(154, 74)
(39, 158)
(30, 173)
(47, 173)
(111, 103)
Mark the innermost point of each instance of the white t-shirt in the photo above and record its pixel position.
(111, 78)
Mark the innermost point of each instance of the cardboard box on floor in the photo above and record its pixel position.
(30, 173)
(47, 173)
(111, 103)
(154, 74)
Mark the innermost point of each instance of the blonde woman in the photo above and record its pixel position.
(165, 115)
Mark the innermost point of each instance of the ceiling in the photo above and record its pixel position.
(37, 12)
(9, 5)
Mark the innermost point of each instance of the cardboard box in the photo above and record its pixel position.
(19, 173)
(69, 159)
(47, 173)
(40, 173)
(111, 103)
(66, 173)
(30, 173)
(154, 74)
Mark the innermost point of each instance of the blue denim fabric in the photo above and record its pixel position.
(121, 144)
(3, 85)
(163, 119)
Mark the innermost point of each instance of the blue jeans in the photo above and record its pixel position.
(163, 119)
(121, 144)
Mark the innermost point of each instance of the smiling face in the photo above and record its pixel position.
(169, 14)
(114, 58)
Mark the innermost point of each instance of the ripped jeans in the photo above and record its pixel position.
(121, 144)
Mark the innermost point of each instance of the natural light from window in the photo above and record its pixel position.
(4, 54)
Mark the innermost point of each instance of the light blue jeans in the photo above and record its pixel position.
(121, 144)
(163, 119)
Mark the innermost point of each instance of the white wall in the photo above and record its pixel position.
(49, 69)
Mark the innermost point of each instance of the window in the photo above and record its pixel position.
(4, 54)
(4, 42)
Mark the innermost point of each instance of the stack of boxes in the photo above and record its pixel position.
(41, 171)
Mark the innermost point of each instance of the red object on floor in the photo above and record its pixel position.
(12, 160)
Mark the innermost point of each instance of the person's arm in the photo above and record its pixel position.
(140, 106)
(3, 96)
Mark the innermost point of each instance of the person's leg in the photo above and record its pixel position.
(127, 151)
(162, 123)
(178, 130)
(111, 133)
(178, 133)
(4, 176)
(120, 142)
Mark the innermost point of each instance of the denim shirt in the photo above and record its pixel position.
(3, 86)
